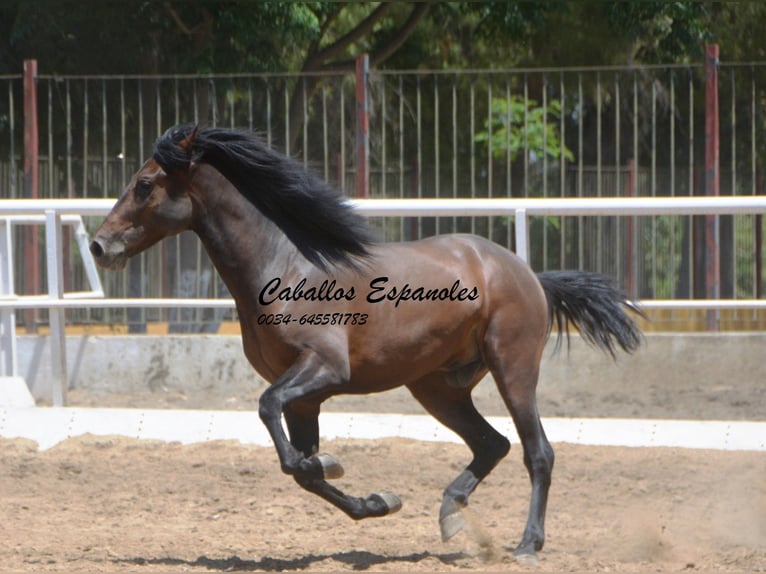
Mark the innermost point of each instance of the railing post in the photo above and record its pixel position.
(362, 156)
(522, 233)
(712, 183)
(57, 315)
(8, 366)
(31, 186)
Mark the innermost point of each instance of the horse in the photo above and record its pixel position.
(325, 308)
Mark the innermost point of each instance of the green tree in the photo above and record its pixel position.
(517, 125)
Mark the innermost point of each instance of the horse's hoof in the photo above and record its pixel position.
(392, 502)
(331, 467)
(450, 524)
(451, 519)
(528, 558)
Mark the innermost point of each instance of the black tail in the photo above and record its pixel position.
(591, 303)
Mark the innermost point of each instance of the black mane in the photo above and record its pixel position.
(314, 215)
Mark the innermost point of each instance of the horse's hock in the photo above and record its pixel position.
(716, 376)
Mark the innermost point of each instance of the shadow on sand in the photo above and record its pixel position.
(356, 559)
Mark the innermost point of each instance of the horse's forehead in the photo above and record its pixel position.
(150, 169)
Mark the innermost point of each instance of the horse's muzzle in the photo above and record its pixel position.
(107, 256)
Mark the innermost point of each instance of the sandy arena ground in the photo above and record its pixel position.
(116, 504)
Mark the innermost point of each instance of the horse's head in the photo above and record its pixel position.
(154, 205)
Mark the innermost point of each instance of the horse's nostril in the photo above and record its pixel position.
(96, 249)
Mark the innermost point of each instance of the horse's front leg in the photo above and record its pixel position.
(297, 395)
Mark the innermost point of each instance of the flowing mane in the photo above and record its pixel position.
(313, 215)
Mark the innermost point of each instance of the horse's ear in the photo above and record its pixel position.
(187, 143)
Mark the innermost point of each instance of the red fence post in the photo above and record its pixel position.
(631, 232)
(31, 188)
(712, 183)
(362, 156)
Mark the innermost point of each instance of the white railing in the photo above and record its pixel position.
(57, 212)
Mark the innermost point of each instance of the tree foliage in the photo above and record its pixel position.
(519, 125)
(172, 36)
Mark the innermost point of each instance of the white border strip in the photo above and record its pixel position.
(48, 426)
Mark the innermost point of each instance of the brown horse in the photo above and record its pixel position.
(325, 310)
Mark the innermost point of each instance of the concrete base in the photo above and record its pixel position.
(14, 393)
(689, 376)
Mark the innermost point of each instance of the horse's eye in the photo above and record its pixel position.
(143, 188)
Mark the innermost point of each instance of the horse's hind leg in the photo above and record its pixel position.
(454, 408)
(515, 368)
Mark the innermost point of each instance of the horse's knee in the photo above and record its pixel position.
(269, 406)
(540, 463)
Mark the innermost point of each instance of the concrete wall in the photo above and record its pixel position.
(216, 364)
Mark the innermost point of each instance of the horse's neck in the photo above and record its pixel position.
(246, 248)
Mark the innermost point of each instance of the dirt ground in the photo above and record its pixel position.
(116, 504)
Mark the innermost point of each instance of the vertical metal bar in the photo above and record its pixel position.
(383, 139)
(712, 182)
(104, 139)
(232, 109)
(545, 166)
(325, 142)
(580, 173)
(268, 113)
(12, 143)
(733, 190)
(56, 316)
(672, 154)
(141, 315)
(51, 192)
(123, 141)
(342, 166)
(507, 125)
(490, 151)
(508, 157)
(490, 219)
(304, 97)
(31, 184)
(545, 135)
(158, 105)
(525, 148)
(250, 122)
(176, 103)
(619, 271)
(362, 156)
(419, 151)
(631, 275)
(654, 187)
(437, 185)
(690, 219)
(454, 146)
(140, 88)
(213, 108)
(599, 172)
(195, 100)
(636, 191)
(753, 149)
(85, 137)
(286, 93)
(754, 190)
(472, 125)
(401, 137)
(562, 168)
(69, 142)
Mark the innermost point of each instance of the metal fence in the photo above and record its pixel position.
(618, 131)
